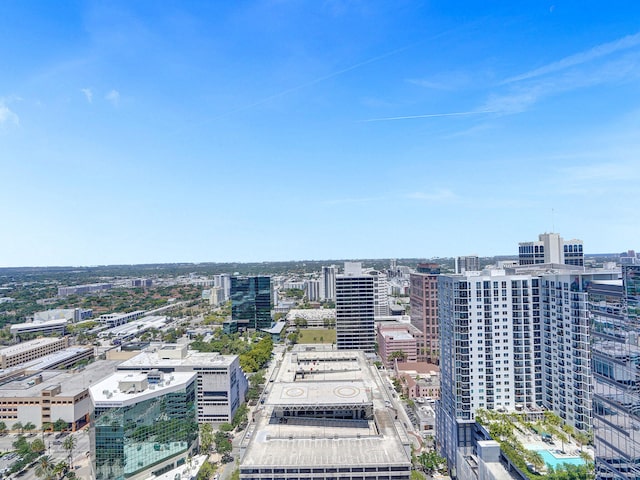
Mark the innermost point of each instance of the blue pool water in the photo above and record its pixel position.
(555, 461)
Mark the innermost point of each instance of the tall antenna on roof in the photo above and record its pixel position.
(553, 221)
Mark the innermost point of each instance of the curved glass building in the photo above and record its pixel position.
(142, 424)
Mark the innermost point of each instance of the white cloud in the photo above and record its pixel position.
(88, 94)
(114, 97)
(594, 53)
(519, 97)
(7, 115)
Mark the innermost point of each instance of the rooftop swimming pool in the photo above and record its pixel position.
(554, 461)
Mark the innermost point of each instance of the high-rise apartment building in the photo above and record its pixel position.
(514, 341)
(312, 290)
(355, 310)
(489, 361)
(424, 310)
(469, 263)
(566, 383)
(224, 282)
(251, 301)
(328, 283)
(380, 293)
(615, 352)
(551, 248)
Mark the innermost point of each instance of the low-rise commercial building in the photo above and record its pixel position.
(222, 385)
(46, 328)
(327, 414)
(395, 341)
(27, 351)
(322, 318)
(419, 379)
(50, 396)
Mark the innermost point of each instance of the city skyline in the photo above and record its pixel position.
(135, 133)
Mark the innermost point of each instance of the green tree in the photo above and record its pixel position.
(37, 446)
(44, 468)
(206, 437)
(206, 471)
(563, 438)
(240, 416)
(3, 428)
(582, 438)
(535, 459)
(18, 426)
(552, 419)
(29, 426)
(225, 427)
(47, 427)
(248, 363)
(69, 445)
(60, 469)
(223, 444)
(60, 425)
(431, 461)
(400, 355)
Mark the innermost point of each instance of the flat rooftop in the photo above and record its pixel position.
(397, 335)
(151, 359)
(325, 442)
(319, 393)
(71, 383)
(37, 325)
(30, 345)
(108, 390)
(46, 362)
(154, 321)
(312, 313)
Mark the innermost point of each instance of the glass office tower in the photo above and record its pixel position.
(251, 301)
(142, 424)
(615, 353)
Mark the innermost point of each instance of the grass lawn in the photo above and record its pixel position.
(317, 335)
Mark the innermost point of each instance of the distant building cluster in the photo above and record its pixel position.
(84, 289)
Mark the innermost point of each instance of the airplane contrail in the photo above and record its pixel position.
(431, 115)
(338, 72)
(318, 80)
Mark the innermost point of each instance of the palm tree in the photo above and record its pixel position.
(400, 355)
(37, 446)
(536, 459)
(29, 426)
(3, 427)
(18, 426)
(563, 438)
(60, 468)
(69, 444)
(44, 468)
(588, 461)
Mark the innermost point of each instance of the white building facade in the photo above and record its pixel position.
(222, 385)
(355, 327)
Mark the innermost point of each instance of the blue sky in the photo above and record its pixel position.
(145, 131)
